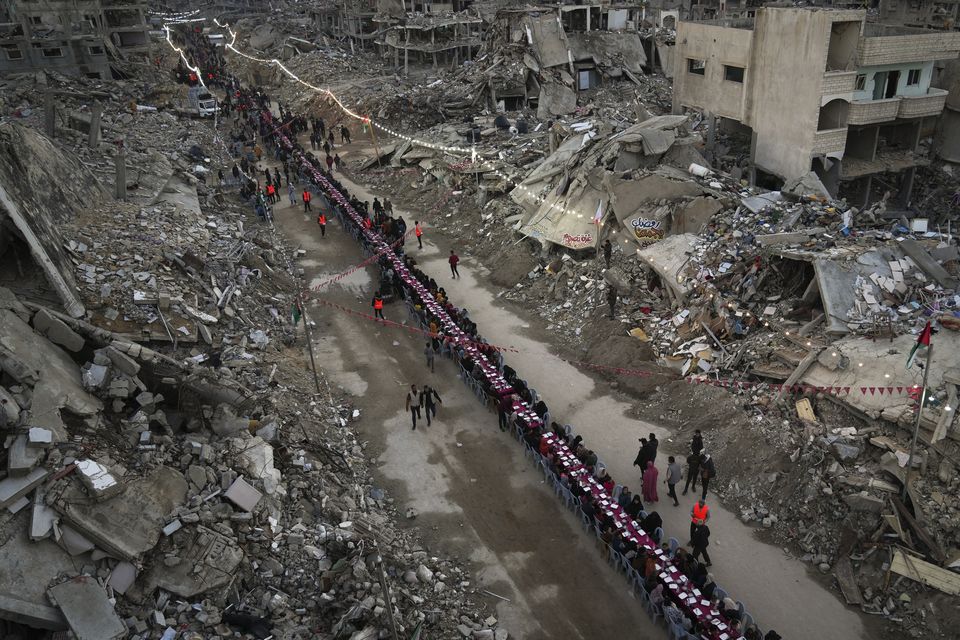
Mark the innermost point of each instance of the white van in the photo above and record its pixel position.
(207, 105)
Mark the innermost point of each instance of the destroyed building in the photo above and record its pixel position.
(853, 108)
(928, 14)
(79, 38)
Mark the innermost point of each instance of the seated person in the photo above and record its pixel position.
(635, 507)
(540, 408)
(673, 615)
(730, 609)
(625, 497)
(651, 522)
(656, 596)
(590, 459)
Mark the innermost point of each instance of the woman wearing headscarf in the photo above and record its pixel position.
(650, 483)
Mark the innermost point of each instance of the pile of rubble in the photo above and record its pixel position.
(166, 471)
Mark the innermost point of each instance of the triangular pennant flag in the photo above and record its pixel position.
(863, 390)
(890, 390)
(899, 389)
(880, 389)
(872, 390)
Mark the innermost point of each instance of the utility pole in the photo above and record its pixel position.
(306, 326)
(120, 161)
(388, 600)
(96, 111)
(916, 426)
(49, 113)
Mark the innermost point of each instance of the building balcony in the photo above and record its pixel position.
(830, 141)
(873, 111)
(838, 82)
(923, 106)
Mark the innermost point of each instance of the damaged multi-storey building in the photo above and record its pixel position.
(77, 38)
(818, 90)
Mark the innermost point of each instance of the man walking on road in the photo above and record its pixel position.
(429, 398)
(454, 259)
(693, 471)
(431, 355)
(707, 472)
(413, 404)
(378, 306)
(307, 196)
(674, 474)
(698, 515)
(322, 222)
(696, 445)
(292, 193)
(700, 540)
(419, 231)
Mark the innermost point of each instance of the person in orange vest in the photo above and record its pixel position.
(367, 223)
(322, 221)
(306, 200)
(271, 192)
(378, 306)
(698, 515)
(419, 232)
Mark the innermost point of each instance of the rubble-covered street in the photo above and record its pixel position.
(230, 238)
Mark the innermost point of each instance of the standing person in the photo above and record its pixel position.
(693, 471)
(292, 193)
(344, 134)
(708, 471)
(427, 397)
(431, 355)
(271, 192)
(650, 483)
(700, 540)
(413, 398)
(378, 306)
(612, 300)
(329, 161)
(322, 222)
(419, 232)
(696, 445)
(607, 251)
(306, 200)
(331, 140)
(674, 474)
(643, 455)
(454, 260)
(699, 515)
(653, 444)
(338, 162)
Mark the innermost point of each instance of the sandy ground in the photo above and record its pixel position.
(477, 497)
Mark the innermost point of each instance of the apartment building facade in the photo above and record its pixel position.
(818, 89)
(76, 37)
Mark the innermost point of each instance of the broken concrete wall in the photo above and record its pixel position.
(41, 189)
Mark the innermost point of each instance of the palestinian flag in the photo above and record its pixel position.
(923, 340)
(295, 314)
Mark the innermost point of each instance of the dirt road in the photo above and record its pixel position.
(477, 497)
(775, 587)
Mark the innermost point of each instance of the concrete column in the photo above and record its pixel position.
(906, 186)
(406, 54)
(49, 113)
(588, 18)
(866, 191)
(711, 130)
(96, 111)
(120, 161)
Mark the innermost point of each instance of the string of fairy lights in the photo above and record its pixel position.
(793, 336)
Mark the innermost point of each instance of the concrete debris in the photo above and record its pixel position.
(87, 608)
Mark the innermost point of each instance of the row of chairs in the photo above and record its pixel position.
(616, 560)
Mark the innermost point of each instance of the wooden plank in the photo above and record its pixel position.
(805, 410)
(843, 572)
(799, 371)
(935, 551)
(946, 417)
(925, 573)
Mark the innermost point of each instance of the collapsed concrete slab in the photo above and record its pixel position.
(54, 375)
(28, 568)
(38, 201)
(16, 487)
(207, 561)
(88, 611)
(130, 523)
(57, 331)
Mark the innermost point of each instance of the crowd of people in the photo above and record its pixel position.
(254, 122)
